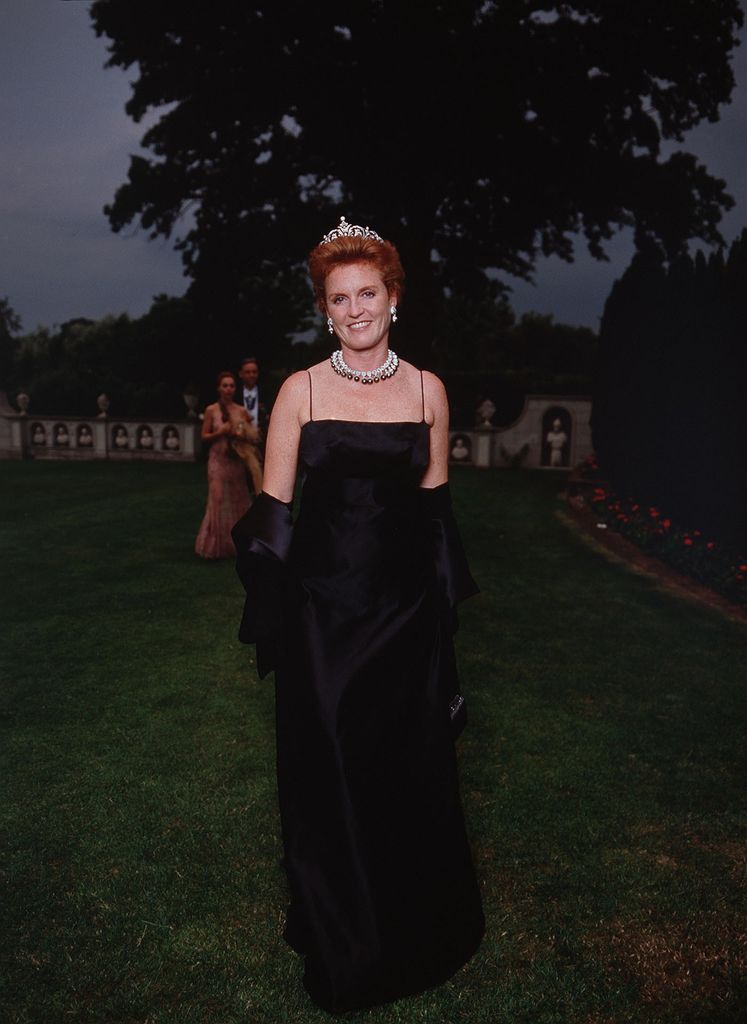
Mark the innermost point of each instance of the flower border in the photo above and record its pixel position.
(684, 548)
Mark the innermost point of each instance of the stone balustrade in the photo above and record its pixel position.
(552, 432)
(24, 436)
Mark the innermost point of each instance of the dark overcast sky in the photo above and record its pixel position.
(65, 149)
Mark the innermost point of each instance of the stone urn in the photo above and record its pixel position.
(103, 403)
(190, 400)
(485, 413)
(22, 401)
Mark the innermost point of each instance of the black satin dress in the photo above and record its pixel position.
(353, 606)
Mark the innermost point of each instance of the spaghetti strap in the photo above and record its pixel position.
(422, 394)
(311, 411)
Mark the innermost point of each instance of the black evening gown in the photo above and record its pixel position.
(354, 608)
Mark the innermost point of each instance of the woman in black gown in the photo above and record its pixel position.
(353, 605)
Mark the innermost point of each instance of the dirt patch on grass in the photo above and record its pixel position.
(696, 962)
(733, 853)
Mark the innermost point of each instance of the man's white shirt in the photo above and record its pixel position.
(251, 403)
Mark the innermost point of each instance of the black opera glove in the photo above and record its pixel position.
(262, 538)
(454, 581)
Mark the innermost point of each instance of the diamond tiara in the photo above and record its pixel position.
(345, 230)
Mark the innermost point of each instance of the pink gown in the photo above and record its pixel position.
(228, 495)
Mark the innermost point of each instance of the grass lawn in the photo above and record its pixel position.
(603, 773)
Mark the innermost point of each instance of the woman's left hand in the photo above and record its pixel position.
(245, 430)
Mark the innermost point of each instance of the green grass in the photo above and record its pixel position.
(603, 773)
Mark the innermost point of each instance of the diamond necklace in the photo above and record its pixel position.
(387, 369)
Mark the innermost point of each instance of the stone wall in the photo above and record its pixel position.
(552, 432)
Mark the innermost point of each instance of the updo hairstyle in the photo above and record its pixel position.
(346, 250)
(226, 373)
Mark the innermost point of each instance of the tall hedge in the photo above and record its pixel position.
(669, 415)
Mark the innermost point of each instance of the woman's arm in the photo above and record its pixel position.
(283, 437)
(437, 416)
(453, 578)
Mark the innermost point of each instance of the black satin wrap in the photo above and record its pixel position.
(262, 538)
(453, 578)
(383, 896)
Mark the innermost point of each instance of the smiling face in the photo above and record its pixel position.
(357, 300)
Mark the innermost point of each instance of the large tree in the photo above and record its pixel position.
(670, 417)
(474, 134)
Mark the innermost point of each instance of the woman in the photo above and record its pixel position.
(228, 494)
(353, 606)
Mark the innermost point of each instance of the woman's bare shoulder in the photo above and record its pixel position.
(293, 385)
(433, 386)
(293, 393)
(319, 367)
(435, 400)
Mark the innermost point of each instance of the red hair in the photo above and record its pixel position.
(343, 251)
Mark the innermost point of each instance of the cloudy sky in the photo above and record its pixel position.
(65, 147)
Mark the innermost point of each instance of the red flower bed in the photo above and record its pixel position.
(682, 547)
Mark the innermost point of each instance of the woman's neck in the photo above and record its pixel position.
(366, 359)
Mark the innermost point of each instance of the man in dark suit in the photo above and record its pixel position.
(249, 375)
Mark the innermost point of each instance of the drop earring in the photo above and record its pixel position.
(330, 328)
(393, 311)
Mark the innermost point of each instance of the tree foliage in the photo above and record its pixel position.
(476, 134)
(10, 325)
(493, 355)
(143, 365)
(670, 417)
(146, 364)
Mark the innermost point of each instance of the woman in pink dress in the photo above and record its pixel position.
(228, 492)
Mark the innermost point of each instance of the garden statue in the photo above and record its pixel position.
(557, 440)
(145, 437)
(120, 437)
(459, 450)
